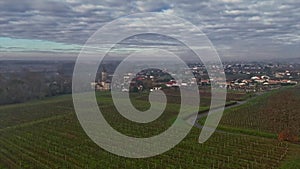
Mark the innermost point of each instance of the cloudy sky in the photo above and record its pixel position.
(239, 29)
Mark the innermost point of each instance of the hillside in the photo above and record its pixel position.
(275, 112)
(46, 134)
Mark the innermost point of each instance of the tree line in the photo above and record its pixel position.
(23, 86)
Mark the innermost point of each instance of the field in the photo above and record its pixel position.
(46, 134)
(277, 112)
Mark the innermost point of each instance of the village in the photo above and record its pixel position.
(239, 77)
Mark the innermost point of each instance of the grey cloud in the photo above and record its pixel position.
(254, 22)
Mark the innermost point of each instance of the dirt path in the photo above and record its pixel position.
(189, 119)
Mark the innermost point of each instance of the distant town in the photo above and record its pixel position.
(250, 77)
(23, 80)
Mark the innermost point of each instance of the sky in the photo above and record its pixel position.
(239, 29)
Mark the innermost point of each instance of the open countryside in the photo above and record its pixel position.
(59, 141)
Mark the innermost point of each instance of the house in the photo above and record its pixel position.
(288, 82)
(279, 74)
(171, 83)
(274, 82)
(102, 86)
(155, 88)
(205, 82)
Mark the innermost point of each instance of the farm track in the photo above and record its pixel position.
(190, 119)
(201, 115)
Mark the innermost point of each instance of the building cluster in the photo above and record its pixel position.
(248, 77)
(260, 76)
(103, 83)
(258, 83)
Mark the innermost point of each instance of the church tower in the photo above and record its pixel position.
(103, 75)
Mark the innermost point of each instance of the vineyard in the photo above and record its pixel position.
(276, 112)
(205, 96)
(47, 134)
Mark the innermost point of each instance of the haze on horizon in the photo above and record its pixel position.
(239, 29)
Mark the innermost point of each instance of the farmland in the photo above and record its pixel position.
(47, 134)
(275, 112)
